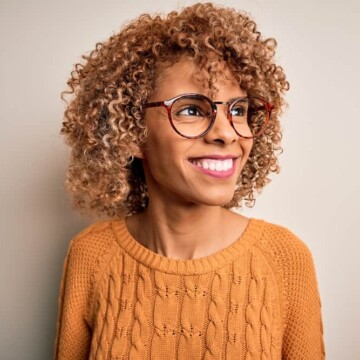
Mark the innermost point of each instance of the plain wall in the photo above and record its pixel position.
(316, 194)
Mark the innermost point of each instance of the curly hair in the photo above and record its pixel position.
(104, 119)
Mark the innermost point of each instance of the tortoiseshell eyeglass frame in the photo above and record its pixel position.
(268, 107)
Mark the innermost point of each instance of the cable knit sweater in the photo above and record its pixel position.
(255, 299)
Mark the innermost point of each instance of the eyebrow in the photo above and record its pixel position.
(243, 98)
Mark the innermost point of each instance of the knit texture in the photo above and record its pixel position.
(255, 299)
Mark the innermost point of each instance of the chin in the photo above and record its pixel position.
(216, 200)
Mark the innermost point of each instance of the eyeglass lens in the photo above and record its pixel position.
(192, 116)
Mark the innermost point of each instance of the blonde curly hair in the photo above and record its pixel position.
(104, 119)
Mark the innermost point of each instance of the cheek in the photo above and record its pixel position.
(246, 146)
(162, 153)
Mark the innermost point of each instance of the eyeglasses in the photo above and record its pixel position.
(193, 115)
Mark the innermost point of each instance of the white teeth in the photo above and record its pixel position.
(214, 165)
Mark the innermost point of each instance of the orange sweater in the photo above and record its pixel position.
(256, 299)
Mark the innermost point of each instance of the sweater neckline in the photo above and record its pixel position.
(221, 258)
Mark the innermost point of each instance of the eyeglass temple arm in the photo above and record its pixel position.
(154, 104)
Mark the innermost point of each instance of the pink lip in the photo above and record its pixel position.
(220, 157)
(214, 173)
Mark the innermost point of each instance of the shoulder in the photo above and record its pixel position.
(288, 255)
(92, 247)
(93, 237)
(283, 245)
(292, 261)
(88, 253)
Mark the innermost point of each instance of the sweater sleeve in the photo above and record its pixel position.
(81, 268)
(303, 335)
(73, 333)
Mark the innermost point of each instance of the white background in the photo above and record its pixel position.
(316, 194)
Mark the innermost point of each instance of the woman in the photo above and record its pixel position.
(173, 122)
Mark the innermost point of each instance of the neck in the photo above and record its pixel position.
(182, 232)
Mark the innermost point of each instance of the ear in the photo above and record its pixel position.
(138, 152)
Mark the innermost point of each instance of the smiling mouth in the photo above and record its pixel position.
(216, 165)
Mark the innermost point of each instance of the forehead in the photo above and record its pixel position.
(185, 76)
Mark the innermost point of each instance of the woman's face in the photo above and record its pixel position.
(192, 171)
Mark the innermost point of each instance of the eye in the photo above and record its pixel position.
(239, 110)
(190, 110)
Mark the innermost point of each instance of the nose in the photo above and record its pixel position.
(222, 131)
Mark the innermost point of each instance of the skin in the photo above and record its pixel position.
(185, 218)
